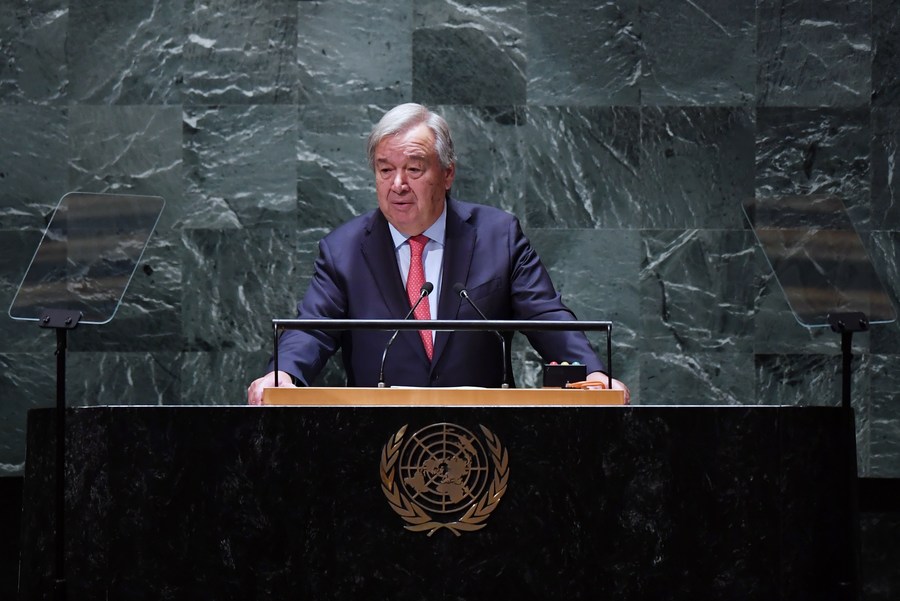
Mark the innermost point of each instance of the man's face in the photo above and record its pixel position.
(409, 180)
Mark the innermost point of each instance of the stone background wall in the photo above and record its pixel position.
(624, 134)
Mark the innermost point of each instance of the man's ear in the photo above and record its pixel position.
(449, 174)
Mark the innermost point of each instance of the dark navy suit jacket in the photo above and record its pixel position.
(356, 277)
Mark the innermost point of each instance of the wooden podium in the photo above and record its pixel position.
(442, 397)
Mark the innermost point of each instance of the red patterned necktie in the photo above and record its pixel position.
(414, 282)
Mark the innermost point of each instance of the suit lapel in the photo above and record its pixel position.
(378, 252)
(459, 248)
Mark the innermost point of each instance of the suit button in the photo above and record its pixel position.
(434, 379)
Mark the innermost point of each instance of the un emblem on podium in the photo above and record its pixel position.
(444, 476)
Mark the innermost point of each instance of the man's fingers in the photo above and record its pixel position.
(284, 380)
(258, 386)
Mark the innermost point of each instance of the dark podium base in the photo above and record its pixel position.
(286, 503)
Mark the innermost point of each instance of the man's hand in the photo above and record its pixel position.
(255, 391)
(599, 376)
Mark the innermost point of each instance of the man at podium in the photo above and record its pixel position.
(423, 254)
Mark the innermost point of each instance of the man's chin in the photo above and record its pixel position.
(403, 223)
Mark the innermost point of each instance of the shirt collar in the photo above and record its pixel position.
(436, 232)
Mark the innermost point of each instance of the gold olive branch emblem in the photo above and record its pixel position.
(416, 518)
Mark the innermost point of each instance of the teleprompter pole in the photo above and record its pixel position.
(62, 321)
(846, 324)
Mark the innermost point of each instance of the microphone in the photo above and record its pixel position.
(426, 289)
(461, 291)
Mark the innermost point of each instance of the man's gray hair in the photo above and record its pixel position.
(403, 118)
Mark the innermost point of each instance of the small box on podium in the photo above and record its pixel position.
(558, 375)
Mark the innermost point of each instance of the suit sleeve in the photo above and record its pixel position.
(534, 297)
(304, 354)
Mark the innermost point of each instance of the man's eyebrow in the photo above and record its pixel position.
(414, 156)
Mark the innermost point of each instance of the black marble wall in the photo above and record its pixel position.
(625, 135)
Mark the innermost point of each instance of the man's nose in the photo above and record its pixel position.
(399, 183)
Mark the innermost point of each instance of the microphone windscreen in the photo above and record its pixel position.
(427, 288)
(458, 288)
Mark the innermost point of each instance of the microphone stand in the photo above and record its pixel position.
(384, 357)
(424, 291)
(463, 293)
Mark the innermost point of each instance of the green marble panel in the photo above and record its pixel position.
(885, 49)
(128, 149)
(125, 51)
(697, 291)
(488, 144)
(885, 417)
(583, 53)
(355, 52)
(814, 53)
(123, 378)
(32, 164)
(239, 166)
(698, 378)
(334, 182)
(33, 34)
(696, 166)
(237, 281)
(18, 250)
(805, 151)
(27, 381)
(701, 52)
(239, 52)
(885, 168)
(583, 167)
(466, 56)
